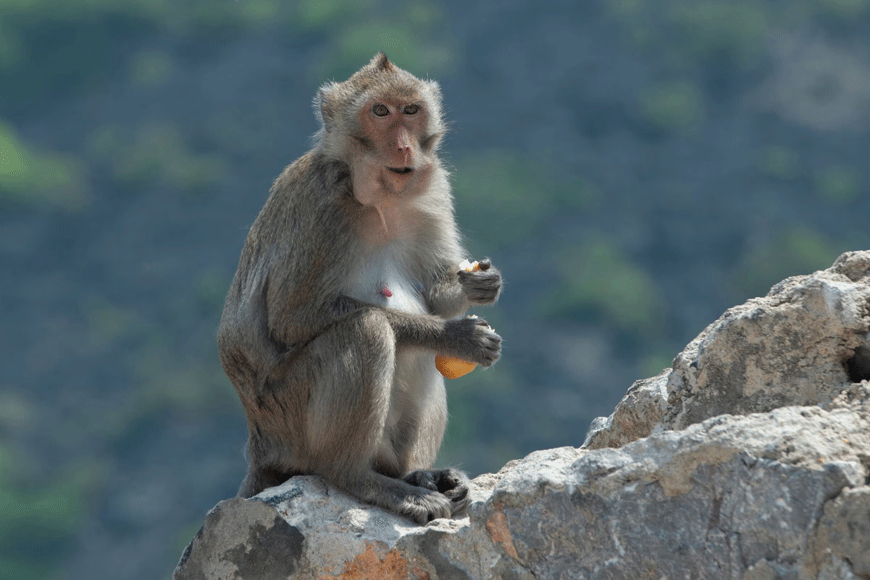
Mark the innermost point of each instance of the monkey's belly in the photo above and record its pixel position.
(417, 414)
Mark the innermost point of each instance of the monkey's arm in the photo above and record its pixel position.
(455, 292)
(468, 338)
(446, 297)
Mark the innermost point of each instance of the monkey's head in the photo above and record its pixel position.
(386, 125)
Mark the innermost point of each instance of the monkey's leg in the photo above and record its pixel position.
(353, 366)
(260, 478)
(469, 339)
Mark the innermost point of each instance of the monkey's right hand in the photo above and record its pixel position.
(480, 281)
(473, 340)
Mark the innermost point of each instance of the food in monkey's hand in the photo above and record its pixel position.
(450, 366)
(469, 266)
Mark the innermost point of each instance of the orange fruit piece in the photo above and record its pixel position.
(452, 367)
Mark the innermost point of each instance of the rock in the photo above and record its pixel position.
(802, 344)
(636, 416)
(750, 458)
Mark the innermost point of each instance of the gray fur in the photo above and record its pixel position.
(336, 378)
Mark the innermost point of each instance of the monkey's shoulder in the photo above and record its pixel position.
(312, 175)
(308, 194)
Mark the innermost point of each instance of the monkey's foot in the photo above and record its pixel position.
(424, 505)
(452, 483)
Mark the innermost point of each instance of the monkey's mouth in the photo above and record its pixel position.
(401, 170)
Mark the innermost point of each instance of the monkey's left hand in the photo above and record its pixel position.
(481, 286)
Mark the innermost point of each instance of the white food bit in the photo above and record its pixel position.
(476, 316)
(469, 266)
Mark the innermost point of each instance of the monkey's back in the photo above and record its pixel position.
(278, 297)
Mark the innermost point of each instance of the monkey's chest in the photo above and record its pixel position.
(382, 281)
(399, 294)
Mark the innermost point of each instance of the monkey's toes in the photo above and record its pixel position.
(455, 486)
(426, 506)
(422, 478)
(459, 505)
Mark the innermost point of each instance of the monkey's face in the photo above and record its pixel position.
(394, 164)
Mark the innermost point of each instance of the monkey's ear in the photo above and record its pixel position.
(381, 63)
(324, 105)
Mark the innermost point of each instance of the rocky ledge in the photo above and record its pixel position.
(749, 458)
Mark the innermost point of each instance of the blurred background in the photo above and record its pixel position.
(634, 167)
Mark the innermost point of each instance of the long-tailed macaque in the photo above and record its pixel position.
(347, 286)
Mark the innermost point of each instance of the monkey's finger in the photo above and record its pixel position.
(480, 280)
(421, 478)
(484, 264)
(490, 277)
(488, 274)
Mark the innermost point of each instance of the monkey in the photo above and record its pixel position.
(347, 285)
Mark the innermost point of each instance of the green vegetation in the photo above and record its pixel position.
(16, 412)
(210, 290)
(780, 163)
(109, 324)
(713, 31)
(842, 10)
(150, 68)
(837, 184)
(37, 522)
(11, 50)
(793, 252)
(502, 198)
(709, 33)
(189, 16)
(601, 285)
(405, 35)
(653, 364)
(34, 178)
(675, 107)
(324, 14)
(170, 382)
(467, 425)
(155, 154)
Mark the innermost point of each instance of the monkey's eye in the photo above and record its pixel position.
(411, 109)
(380, 110)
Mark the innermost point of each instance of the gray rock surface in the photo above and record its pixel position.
(801, 344)
(749, 459)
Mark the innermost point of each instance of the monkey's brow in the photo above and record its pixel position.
(400, 100)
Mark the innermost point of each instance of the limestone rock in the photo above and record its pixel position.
(802, 344)
(750, 458)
